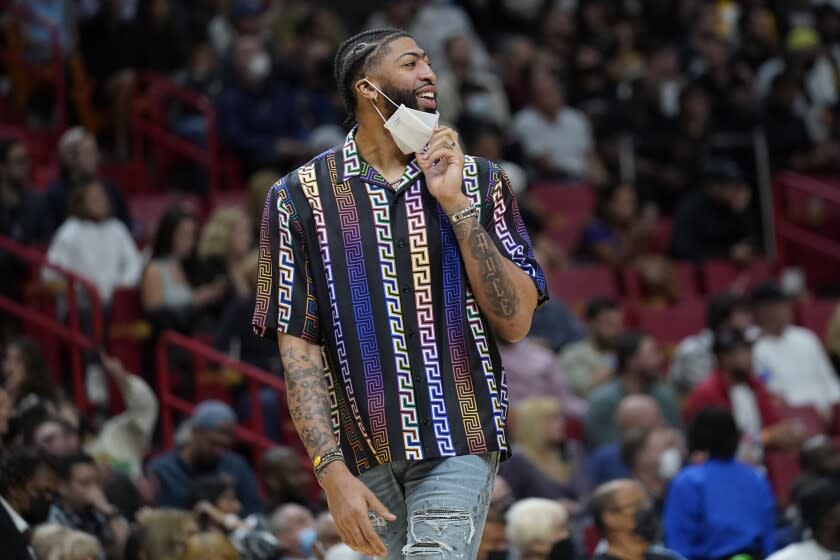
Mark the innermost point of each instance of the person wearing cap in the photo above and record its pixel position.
(819, 509)
(395, 261)
(720, 509)
(735, 387)
(793, 359)
(716, 221)
(206, 452)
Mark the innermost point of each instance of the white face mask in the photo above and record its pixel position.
(670, 463)
(411, 129)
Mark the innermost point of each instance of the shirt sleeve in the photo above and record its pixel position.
(285, 288)
(681, 518)
(505, 226)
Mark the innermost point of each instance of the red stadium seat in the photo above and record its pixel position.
(720, 276)
(782, 471)
(577, 285)
(147, 209)
(567, 209)
(811, 421)
(687, 285)
(672, 324)
(590, 540)
(815, 315)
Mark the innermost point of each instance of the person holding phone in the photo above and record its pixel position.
(393, 261)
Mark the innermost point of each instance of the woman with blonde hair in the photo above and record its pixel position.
(54, 542)
(165, 533)
(210, 546)
(226, 239)
(545, 463)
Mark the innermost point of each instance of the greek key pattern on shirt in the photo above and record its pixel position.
(352, 164)
(422, 276)
(471, 187)
(388, 268)
(309, 184)
(285, 260)
(264, 271)
(454, 320)
(480, 337)
(348, 218)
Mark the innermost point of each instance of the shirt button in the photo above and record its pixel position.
(401, 244)
(418, 379)
(426, 422)
(405, 289)
(411, 332)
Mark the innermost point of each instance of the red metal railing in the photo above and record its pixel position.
(802, 241)
(252, 433)
(71, 334)
(150, 122)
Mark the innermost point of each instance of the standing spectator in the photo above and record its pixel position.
(465, 91)
(590, 363)
(557, 139)
(286, 477)
(635, 414)
(819, 509)
(294, 527)
(720, 508)
(27, 486)
(257, 117)
(693, 359)
(638, 363)
(734, 387)
(626, 519)
(537, 528)
(94, 244)
(793, 359)
(716, 222)
(207, 452)
(79, 155)
(82, 504)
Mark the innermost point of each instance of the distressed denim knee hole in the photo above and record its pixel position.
(440, 533)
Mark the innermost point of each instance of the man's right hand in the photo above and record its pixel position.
(350, 503)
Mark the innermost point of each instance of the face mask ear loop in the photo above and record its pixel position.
(378, 111)
(383, 94)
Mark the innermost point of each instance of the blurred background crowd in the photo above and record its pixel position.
(676, 165)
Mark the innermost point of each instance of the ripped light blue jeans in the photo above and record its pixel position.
(440, 504)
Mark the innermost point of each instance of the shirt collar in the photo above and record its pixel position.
(352, 165)
(20, 524)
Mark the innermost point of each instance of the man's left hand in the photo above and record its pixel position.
(443, 165)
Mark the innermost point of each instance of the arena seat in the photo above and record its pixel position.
(567, 209)
(720, 276)
(672, 324)
(816, 314)
(686, 276)
(575, 286)
(782, 471)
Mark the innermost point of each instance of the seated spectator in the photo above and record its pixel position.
(637, 372)
(626, 519)
(719, 508)
(224, 244)
(620, 234)
(494, 544)
(819, 509)
(257, 117)
(537, 529)
(546, 463)
(49, 433)
(170, 300)
(23, 215)
(28, 484)
(201, 75)
(46, 537)
(210, 546)
(79, 156)
(555, 326)
(466, 91)
(533, 370)
(164, 533)
(294, 527)
(215, 503)
(326, 535)
(94, 244)
(735, 387)
(818, 458)
(82, 504)
(286, 476)
(716, 222)
(207, 452)
(590, 363)
(792, 358)
(27, 379)
(654, 457)
(693, 358)
(65, 544)
(556, 138)
(635, 413)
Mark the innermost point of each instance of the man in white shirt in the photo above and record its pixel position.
(791, 359)
(819, 507)
(557, 139)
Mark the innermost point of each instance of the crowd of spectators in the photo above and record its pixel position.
(650, 105)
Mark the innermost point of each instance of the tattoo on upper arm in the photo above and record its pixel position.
(496, 284)
(309, 403)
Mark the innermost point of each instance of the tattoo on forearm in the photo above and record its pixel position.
(495, 282)
(309, 403)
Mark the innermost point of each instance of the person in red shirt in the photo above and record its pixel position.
(734, 386)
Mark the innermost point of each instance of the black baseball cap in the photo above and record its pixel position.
(728, 338)
(768, 292)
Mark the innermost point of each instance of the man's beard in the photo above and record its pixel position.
(407, 97)
(741, 375)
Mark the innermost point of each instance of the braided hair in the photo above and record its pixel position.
(356, 55)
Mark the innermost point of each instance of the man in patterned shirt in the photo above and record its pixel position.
(392, 262)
